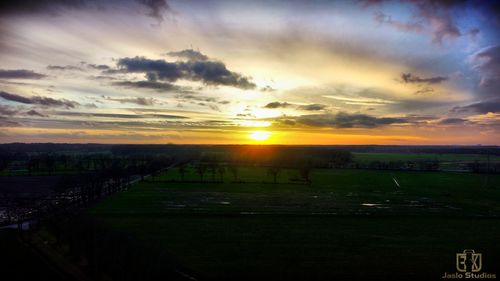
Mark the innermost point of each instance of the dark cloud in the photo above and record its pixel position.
(7, 110)
(424, 90)
(189, 54)
(38, 6)
(138, 100)
(162, 69)
(121, 116)
(98, 66)
(159, 86)
(215, 73)
(20, 74)
(267, 89)
(410, 78)
(313, 107)
(452, 121)
(64, 67)
(155, 8)
(342, 120)
(208, 72)
(438, 16)
(15, 98)
(488, 65)
(277, 104)
(202, 100)
(45, 101)
(288, 122)
(481, 107)
(35, 113)
(4, 122)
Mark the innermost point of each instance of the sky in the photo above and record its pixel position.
(250, 72)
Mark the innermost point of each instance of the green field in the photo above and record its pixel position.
(21, 262)
(369, 156)
(347, 222)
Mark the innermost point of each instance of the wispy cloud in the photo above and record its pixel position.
(20, 74)
(277, 104)
(411, 78)
(45, 101)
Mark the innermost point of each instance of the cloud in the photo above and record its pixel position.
(20, 74)
(277, 104)
(189, 54)
(40, 6)
(202, 100)
(343, 120)
(382, 18)
(410, 78)
(215, 73)
(424, 90)
(45, 101)
(267, 89)
(208, 72)
(4, 122)
(121, 116)
(161, 69)
(487, 63)
(156, 8)
(313, 107)
(35, 113)
(63, 68)
(138, 100)
(7, 110)
(160, 86)
(434, 15)
(98, 66)
(481, 107)
(452, 121)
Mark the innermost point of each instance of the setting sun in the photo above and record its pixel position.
(259, 135)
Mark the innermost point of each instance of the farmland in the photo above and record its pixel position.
(250, 212)
(346, 222)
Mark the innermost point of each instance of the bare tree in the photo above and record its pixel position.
(274, 171)
(200, 170)
(221, 170)
(182, 171)
(213, 170)
(305, 168)
(235, 171)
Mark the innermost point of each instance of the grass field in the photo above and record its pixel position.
(348, 223)
(20, 262)
(367, 157)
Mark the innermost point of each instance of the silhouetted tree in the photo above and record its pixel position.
(213, 170)
(234, 171)
(200, 170)
(305, 168)
(221, 170)
(5, 160)
(182, 171)
(274, 171)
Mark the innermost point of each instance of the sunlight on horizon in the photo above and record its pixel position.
(259, 135)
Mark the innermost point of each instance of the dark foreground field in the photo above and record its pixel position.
(19, 261)
(347, 223)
